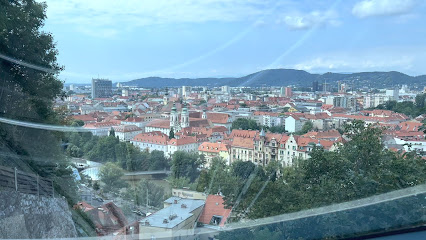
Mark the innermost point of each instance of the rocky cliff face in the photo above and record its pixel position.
(29, 216)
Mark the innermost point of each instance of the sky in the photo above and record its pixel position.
(126, 40)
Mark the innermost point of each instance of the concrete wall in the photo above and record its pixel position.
(29, 216)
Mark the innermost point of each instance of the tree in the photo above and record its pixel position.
(277, 129)
(307, 127)
(74, 151)
(245, 124)
(30, 84)
(112, 132)
(96, 186)
(171, 133)
(143, 189)
(77, 123)
(186, 165)
(111, 176)
(158, 161)
(243, 169)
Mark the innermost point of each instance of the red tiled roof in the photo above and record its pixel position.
(159, 123)
(217, 117)
(410, 126)
(182, 141)
(243, 133)
(84, 118)
(152, 137)
(243, 142)
(212, 147)
(214, 207)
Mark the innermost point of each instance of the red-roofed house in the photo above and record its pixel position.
(212, 150)
(214, 212)
(161, 142)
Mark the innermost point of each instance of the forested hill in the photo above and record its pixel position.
(285, 77)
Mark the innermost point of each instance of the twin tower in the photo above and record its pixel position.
(174, 118)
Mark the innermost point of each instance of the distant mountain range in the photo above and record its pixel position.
(287, 77)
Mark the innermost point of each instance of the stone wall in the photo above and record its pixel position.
(29, 216)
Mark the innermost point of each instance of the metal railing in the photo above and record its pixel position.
(13, 179)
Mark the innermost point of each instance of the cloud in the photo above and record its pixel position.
(377, 59)
(126, 15)
(370, 8)
(299, 21)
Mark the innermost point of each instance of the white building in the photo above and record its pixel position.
(294, 123)
(100, 128)
(161, 142)
(126, 132)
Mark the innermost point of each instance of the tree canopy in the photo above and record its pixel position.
(110, 175)
(408, 108)
(245, 124)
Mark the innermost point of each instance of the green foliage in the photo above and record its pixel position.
(74, 151)
(77, 123)
(307, 127)
(186, 165)
(245, 124)
(158, 161)
(112, 132)
(243, 169)
(171, 133)
(96, 186)
(111, 176)
(408, 108)
(277, 129)
(359, 168)
(143, 188)
(182, 182)
(110, 149)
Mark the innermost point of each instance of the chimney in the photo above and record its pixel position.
(175, 201)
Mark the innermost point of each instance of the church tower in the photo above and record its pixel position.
(184, 118)
(174, 118)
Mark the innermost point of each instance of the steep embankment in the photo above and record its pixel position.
(29, 216)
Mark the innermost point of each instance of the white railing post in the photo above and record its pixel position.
(16, 179)
(38, 186)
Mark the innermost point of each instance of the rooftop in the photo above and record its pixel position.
(170, 217)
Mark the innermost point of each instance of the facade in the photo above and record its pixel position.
(100, 128)
(261, 148)
(161, 142)
(126, 132)
(294, 124)
(101, 88)
(212, 150)
(288, 92)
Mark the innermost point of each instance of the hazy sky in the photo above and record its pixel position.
(125, 40)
